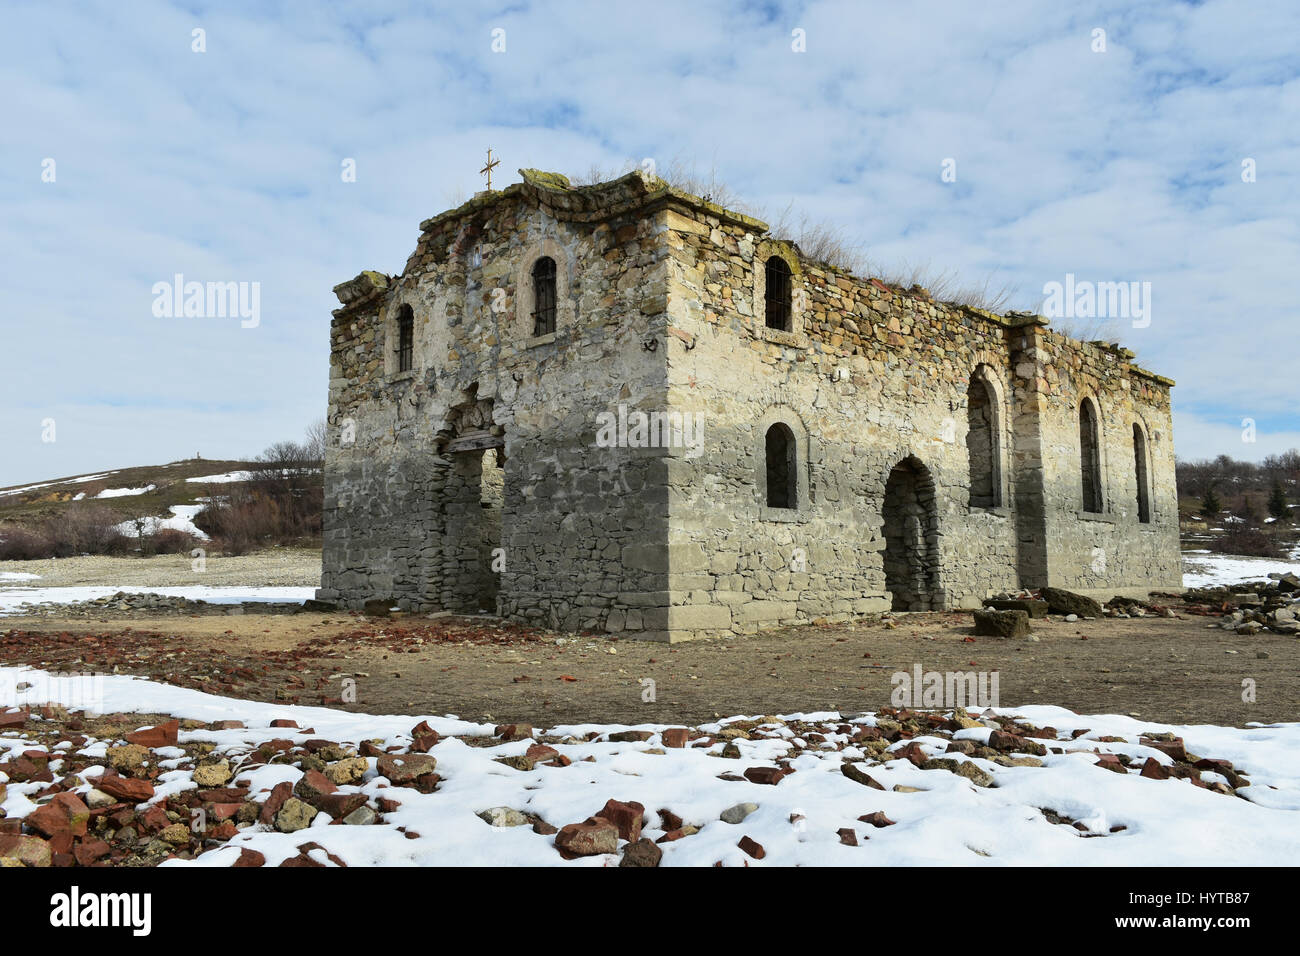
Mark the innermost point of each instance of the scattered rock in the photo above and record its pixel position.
(502, 817)
(626, 817)
(294, 815)
(362, 816)
(127, 757)
(738, 813)
(403, 769)
(162, 735)
(593, 836)
(642, 852)
(125, 788)
(1010, 624)
(858, 776)
(1061, 601)
(347, 771)
(962, 768)
(212, 774)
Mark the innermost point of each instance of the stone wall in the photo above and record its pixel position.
(1111, 552)
(660, 301)
(581, 530)
(868, 377)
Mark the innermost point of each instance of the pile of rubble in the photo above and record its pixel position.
(1008, 614)
(1249, 608)
(128, 601)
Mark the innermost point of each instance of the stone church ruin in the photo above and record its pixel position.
(860, 447)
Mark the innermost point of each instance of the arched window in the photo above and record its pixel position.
(405, 339)
(982, 443)
(778, 294)
(1140, 469)
(1090, 457)
(782, 488)
(544, 296)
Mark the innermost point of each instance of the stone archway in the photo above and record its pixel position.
(911, 533)
(472, 498)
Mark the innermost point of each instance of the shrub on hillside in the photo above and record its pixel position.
(246, 518)
(280, 504)
(171, 541)
(89, 530)
(20, 544)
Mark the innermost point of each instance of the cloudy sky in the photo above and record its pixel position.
(1122, 164)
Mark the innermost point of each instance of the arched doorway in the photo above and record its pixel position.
(911, 537)
(471, 505)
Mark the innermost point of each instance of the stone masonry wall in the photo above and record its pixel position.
(1111, 552)
(581, 528)
(660, 310)
(870, 376)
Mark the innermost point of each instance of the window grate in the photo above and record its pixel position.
(405, 339)
(544, 296)
(777, 294)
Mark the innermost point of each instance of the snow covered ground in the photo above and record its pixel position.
(222, 479)
(18, 576)
(12, 598)
(182, 519)
(50, 484)
(125, 492)
(1203, 569)
(940, 818)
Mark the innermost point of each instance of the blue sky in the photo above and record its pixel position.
(224, 165)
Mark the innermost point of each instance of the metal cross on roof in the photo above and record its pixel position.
(487, 170)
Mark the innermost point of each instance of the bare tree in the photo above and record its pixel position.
(317, 435)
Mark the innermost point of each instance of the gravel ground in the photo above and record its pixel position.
(1177, 670)
(280, 567)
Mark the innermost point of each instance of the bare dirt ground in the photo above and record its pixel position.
(1170, 670)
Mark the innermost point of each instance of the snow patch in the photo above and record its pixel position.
(123, 492)
(1200, 571)
(944, 820)
(182, 519)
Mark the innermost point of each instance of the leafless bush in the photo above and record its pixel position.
(86, 530)
(280, 504)
(20, 544)
(171, 541)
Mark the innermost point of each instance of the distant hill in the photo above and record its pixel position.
(143, 491)
(230, 506)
